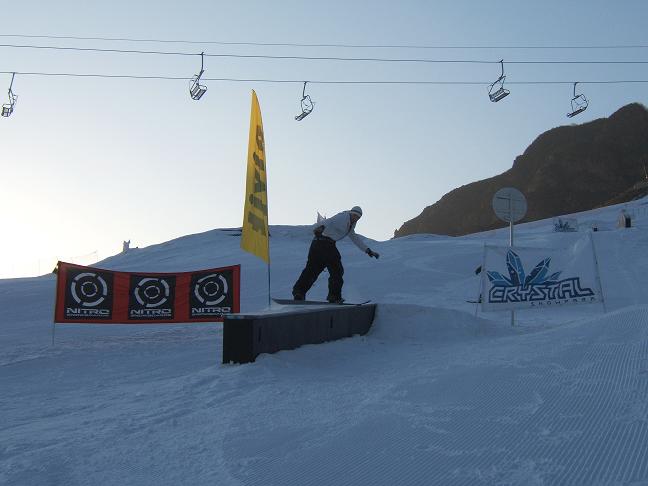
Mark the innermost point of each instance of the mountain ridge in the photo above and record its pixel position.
(566, 169)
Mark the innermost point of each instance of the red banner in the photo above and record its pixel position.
(97, 296)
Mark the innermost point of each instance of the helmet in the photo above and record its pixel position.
(357, 210)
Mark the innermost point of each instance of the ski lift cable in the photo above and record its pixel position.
(300, 81)
(94, 49)
(333, 45)
(313, 58)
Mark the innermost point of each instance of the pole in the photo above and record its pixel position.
(268, 231)
(598, 273)
(511, 246)
(482, 287)
(269, 298)
(268, 225)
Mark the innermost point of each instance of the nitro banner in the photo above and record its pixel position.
(93, 295)
(521, 278)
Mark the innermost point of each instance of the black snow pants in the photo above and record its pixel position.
(322, 254)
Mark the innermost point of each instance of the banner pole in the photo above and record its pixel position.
(269, 293)
(268, 227)
(56, 272)
(511, 246)
(482, 283)
(479, 298)
(598, 273)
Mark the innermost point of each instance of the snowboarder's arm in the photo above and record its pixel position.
(358, 241)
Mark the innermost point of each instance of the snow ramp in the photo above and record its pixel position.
(432, 325)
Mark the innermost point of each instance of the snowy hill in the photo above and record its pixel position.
(436, 393)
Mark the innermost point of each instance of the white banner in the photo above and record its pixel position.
(522, 278)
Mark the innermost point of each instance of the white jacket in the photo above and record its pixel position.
(339, 226)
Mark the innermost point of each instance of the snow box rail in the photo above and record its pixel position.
(245, 336)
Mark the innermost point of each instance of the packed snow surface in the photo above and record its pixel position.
(437, 393)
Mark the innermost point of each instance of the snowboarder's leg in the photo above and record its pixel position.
(336, 271)
(314, 266)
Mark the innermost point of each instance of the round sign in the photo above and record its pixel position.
(509, 204)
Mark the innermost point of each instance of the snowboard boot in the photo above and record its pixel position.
(298, 295)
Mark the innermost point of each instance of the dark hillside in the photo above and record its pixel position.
(565, 170)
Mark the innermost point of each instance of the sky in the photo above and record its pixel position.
(90, 162)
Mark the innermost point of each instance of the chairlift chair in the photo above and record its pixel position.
(497, 91)
(578, 104)
(7, 108)
(197, 90)
(307, 105)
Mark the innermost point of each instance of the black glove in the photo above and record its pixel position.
(372, 253)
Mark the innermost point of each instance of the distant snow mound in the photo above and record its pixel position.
(402, 322)
(425, 237)
(296, 232)
(625, 326)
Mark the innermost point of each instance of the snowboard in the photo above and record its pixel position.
(315, 302)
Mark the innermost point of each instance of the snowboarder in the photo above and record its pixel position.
(324, 254)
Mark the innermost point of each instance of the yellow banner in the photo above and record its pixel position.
(254, 238)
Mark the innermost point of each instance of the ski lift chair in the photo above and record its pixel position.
(578, 104)
(307, 105)
(197, 90)
(497, 91)
(8, 108)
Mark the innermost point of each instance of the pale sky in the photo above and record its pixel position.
(88, 162)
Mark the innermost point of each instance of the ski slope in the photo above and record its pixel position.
(437, 393)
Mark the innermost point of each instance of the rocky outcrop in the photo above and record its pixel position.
(565, 170)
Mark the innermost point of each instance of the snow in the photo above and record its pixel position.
(436, 393)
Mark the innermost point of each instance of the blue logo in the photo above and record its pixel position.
(537, 288)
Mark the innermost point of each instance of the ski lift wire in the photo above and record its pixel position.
(318, 58)
(318, 45)
(299, 81)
